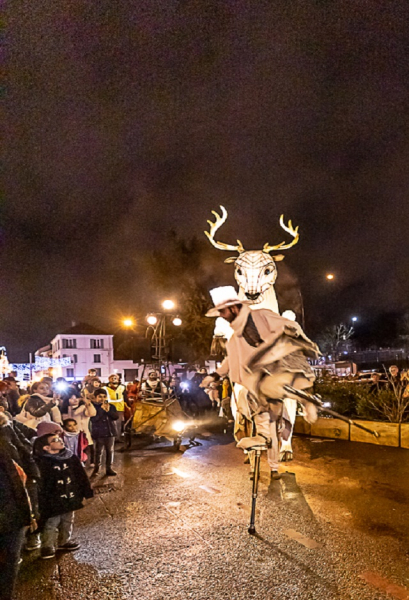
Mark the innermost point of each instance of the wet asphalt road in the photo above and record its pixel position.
(174, 526)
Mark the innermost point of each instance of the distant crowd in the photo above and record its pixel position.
(394, 380)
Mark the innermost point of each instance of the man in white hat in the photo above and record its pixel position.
(265, 352)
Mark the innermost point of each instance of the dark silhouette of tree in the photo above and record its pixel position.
(185, 271)
(332, 338)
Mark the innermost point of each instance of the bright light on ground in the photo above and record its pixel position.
(178, 426)
(168, 304)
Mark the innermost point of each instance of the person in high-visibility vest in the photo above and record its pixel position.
(117, 396)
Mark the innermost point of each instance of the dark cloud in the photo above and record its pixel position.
(128, 119)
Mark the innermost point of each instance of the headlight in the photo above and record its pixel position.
(178, 426)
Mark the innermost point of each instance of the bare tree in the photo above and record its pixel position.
(391, 403)
(332, 338)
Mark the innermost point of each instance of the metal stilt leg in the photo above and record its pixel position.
(252, 527)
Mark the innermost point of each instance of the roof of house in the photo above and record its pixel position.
(83, 329)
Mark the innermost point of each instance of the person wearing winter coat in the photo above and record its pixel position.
(15, 517)
(13, 395)
(103, 431)
(18, 437)
(63, 487)
(80, 410)
(40, 407)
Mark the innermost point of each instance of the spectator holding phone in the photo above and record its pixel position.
(103, 430)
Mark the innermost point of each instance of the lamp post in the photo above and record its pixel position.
(157, 324)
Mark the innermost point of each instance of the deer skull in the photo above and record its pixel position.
(255, 270)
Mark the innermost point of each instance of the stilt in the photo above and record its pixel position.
(252, 526)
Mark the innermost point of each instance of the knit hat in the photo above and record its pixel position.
(47, 428)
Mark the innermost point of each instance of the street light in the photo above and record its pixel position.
(129, 322)
(330, 276)
(168, 304)
(157, 326)
(354, 319)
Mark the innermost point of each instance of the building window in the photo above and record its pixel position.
(97, 358)
(69, 343)
(70, 372)
(75, 358)
(97, 343)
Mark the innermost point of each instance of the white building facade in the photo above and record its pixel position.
(89, 348)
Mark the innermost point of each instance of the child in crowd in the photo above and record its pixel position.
(89, 389)
(103, 431)
(80, 409)
(63, 487)
(75, 440)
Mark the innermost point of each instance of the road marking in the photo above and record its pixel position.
(377, 581)
(180, 473)
(209, 489)
(301, 539)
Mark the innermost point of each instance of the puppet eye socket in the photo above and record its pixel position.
(239, 272)
(267, 272)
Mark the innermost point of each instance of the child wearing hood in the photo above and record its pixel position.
(79, 410)
(75, 440)
(63, 487)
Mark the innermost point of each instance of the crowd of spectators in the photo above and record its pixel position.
(51, 432)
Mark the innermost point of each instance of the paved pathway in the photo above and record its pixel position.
(174, 527)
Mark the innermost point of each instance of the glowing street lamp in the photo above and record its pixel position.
(151, 319)
(354, 319)
(177, 321)
(330, 276)
(128, 322)
(168, 304)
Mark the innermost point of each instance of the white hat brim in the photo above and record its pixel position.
(215, 312)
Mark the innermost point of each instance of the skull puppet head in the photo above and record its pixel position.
(255, 270)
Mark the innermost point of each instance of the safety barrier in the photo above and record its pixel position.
(391, 434)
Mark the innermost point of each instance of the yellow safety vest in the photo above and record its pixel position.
(116, 397)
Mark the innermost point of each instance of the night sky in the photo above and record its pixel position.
(127, 119)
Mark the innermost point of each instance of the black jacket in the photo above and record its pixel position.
(20, 448)
(63, 484)
(102, 425)
(14, 506)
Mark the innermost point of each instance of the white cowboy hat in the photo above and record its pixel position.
(223, 297)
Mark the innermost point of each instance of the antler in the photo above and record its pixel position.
(220, 220)
(283, 246)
